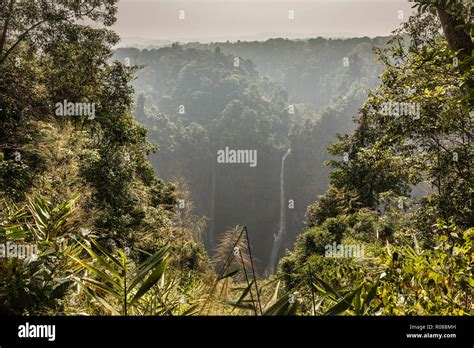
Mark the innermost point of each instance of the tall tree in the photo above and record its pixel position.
(38, 22)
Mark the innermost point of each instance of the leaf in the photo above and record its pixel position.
(103, 287)
(326, 287)
(151, 280)
(370, 296)
(281, 307)
(106, 252)
(357, 303)
(96, 271)
(104, 303)
(242, 305)
(103, 262)
(147, 266)
(230, 274)
(245, 292)
(14, 233)
(344, 304)
(190, 311)
(274, 297)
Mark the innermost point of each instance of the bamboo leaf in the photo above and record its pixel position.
(245, 292)
(96, 271)
(106, 252)
(103, 262)
(326, 287)
(274, 297)
(103, 287)
(242, 305)
(281, 307)
(14, 233)
(147, 266)
(190, 311)
(151, 280)
(228, 275)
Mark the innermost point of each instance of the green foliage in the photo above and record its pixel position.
(414, 132)
(459, 10)
(115, 283)
(37, 282)
(397, 280)
(282, 306)
(41, 282)
(422, 282)
(103, 158)
(425, 267)
(48, 55)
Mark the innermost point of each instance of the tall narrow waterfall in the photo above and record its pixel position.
(277, 238)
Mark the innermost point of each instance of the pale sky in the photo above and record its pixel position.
(220, 20)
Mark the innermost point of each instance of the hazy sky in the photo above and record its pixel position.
(257, 19)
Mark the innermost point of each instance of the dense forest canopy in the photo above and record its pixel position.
(124, 175)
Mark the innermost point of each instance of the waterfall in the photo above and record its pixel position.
(277, 238)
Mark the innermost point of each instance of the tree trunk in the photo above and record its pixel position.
(456, 37)
(4, 27)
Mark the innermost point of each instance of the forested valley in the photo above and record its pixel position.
(280, 177)
(195, 101)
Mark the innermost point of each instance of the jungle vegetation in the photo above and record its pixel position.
(131, 215)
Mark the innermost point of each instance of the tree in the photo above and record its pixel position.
(39, 22)
(415, 128)
(106, 155)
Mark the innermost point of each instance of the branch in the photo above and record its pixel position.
(24, 34)
(5, 27)
(20, 38)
